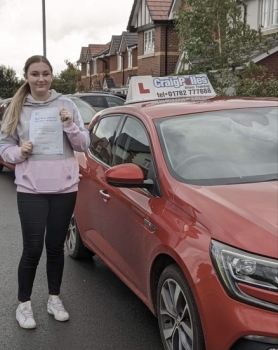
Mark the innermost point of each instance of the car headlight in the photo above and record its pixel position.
(236, 268)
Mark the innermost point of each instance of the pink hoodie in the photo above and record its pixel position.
(46, 173)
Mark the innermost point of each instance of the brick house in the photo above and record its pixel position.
(110, 65)
(150, 46)
(128, 50)
(91, 67)
(257, 13)
(264, 13)
(157, 41)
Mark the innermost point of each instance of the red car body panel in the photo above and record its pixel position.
(225, 209)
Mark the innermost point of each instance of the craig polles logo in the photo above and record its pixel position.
(180, 81)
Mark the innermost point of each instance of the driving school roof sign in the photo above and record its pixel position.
(147, 88)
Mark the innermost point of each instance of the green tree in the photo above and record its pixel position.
(216, 40)
(9, 83)
(66, 82)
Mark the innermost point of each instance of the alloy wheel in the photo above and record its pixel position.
(176, 320)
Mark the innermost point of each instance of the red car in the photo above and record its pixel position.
(180, 201)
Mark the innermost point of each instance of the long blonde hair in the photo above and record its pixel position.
(12, 114)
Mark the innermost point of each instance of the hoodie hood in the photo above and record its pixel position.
(30, 101)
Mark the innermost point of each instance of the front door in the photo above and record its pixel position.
(124, 211)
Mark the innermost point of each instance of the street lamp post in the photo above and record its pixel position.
(43, 28)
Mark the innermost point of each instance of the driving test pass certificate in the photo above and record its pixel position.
(46, 131)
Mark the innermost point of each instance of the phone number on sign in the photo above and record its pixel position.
(178, 93)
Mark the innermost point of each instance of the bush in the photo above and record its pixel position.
(255, 83)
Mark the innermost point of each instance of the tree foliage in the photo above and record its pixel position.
(254, 82)
(9, 82)
(215, 38)
(67, 81)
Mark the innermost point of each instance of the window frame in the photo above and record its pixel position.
(149, 41)
(124, 121)
(268, 14)
(95, 66)
(93, 132)
(152, 174)
(119, 61)
(129, 58)
(152, 170)
(88, 69)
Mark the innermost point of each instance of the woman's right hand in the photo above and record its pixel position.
(27, 148)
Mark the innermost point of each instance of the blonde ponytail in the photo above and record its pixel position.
(12, 114)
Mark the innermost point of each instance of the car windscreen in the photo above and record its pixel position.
(86, 111)
(221, 147)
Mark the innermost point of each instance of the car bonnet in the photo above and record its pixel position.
(244, 216)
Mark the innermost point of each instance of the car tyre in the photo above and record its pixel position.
(178, 318)
(74, 244)
(1, 167)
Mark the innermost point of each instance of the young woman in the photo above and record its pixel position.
(40, 132)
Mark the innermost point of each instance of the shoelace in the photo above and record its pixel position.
(27, 313)
(58, 305)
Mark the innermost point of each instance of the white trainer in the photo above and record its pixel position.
(55, 307)
(24, 315)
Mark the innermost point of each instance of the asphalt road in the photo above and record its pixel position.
(104, 313)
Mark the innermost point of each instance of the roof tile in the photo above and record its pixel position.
(159, 9)
(95, 49)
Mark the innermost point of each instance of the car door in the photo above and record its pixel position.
(126, 213)
(98, 159)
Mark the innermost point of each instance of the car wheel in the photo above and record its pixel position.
(178, 317)
(1, 167)
(74, 244)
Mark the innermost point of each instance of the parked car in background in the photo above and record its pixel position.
(179, 199)
(3, 106)
(101, 100)
(118, 94)
(87, 112)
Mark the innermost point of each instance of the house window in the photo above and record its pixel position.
(95, 66)
(88, 69)
(119, 62)
(269, 13)
(129, 58)
(149, 41)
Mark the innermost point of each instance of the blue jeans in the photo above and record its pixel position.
(43, 216)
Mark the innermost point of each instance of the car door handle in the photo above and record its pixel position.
(104, 195)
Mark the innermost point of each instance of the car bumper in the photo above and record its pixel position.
(232, 325)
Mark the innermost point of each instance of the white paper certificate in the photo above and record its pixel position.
(46, 131)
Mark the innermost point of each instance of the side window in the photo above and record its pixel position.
(102, 138)
(113, 101)
(95, 101)
(133, 146)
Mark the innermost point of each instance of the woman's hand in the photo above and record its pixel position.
(27, 148)
(65, 115)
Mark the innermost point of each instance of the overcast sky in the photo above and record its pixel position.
(69, 26)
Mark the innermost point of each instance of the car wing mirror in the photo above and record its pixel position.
(127, 175)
